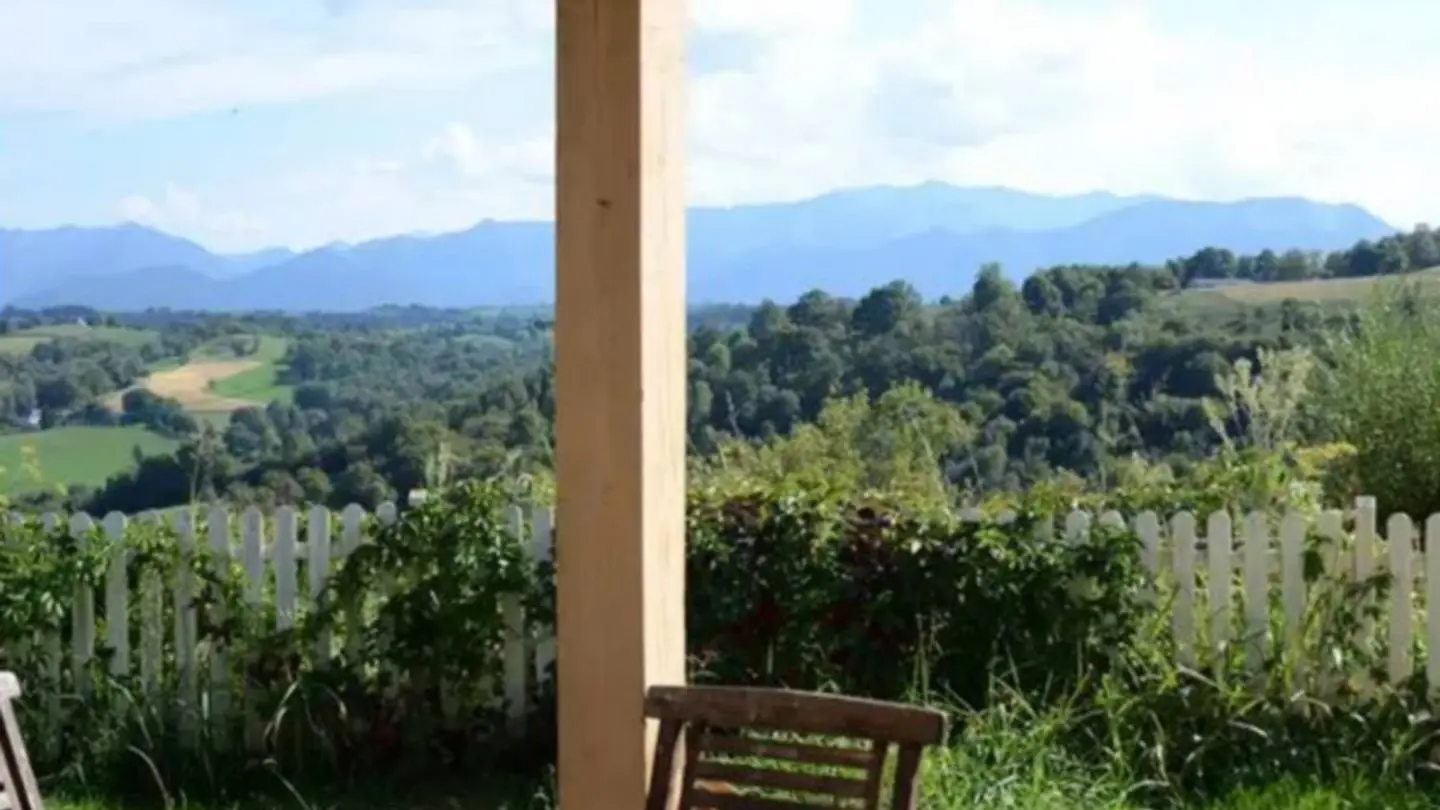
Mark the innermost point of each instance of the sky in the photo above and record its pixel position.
(303, 122)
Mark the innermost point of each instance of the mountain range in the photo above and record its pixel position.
(934, 235)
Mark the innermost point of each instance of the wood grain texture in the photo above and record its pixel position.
(802, 712)
(620, 385)
(727, 766)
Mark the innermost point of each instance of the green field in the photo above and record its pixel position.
(1328, 290)
(74, 455)
(215, 380)
(260, 384)
(25, 340)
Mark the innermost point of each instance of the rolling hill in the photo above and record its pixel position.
(933, 235)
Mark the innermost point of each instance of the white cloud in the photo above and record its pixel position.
(1029, 93)
(163, 58)
(180, 210)
(1068, 98)
(448, 183)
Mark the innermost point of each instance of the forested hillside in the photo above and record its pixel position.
(1079, 369)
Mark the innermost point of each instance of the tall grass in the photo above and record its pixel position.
(1378, 392)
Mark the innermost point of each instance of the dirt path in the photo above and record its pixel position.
(190, 385)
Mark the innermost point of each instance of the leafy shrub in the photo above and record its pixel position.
(1378, 394)
(414, 615)
(792, 583)
(800, 589)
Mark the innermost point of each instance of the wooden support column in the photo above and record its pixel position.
(620, 368)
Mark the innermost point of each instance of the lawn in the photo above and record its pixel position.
(75, 455)
(982, 789)
(1004, 757)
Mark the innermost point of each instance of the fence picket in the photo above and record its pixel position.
(218, 521)
(317, 569)
(282, 559)
(1182, 618)
(1366, 537)
(1339, 563)
(82, 616)
(1147, 526)
(1257, 590)
(252, 528)
(186, 635)
(151, 612)
(352, 523)
(117, 597)
(1399, 536)
(1218, 543)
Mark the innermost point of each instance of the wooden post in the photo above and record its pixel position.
(620, 377)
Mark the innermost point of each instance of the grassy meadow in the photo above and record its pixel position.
(259, 383)
(25, 340)
(1327, 290)
(74, 455)
(211, 384)
(214, 380)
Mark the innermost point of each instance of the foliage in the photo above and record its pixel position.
(398, 691)
(834, 443)
(1378, 394)
(793, 587)
(1079, 371)
(790, 583)
(900, 443)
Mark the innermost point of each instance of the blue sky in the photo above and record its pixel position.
(300, 122)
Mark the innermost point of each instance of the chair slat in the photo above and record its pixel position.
(711, 800)
(793, 781)
(799, 753)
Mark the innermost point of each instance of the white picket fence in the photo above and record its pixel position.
(1268, 554)
(1266, 551)
(269, 549)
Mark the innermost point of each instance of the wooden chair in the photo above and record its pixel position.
(19, 790)
(726, 766)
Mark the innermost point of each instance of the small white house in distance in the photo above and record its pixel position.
(33, 418)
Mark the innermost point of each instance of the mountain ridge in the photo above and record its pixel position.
(934, 235)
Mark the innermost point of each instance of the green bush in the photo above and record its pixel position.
(799, 589)
(414, 681)
(790, 584)
(1378, 393)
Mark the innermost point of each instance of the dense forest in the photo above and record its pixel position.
(1078, 369)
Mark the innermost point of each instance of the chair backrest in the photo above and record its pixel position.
(19, 790)
(729, 765)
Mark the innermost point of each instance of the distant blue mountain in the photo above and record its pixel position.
(934, 235)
